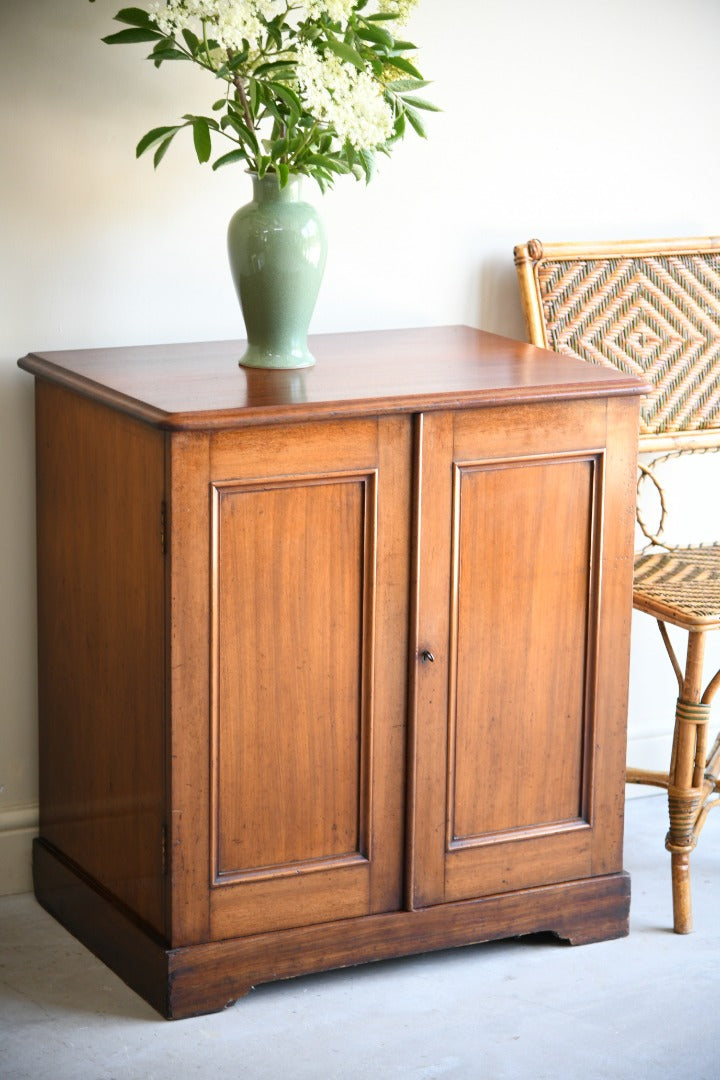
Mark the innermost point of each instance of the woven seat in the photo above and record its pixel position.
(652, 308)
(684, 582)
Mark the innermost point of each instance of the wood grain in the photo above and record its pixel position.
(304, 729)
(202, 386)
(518, 536)
(293, 563)
(101, 645)
(524, 578)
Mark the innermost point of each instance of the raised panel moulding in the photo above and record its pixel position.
(300, 554)
(520, 514)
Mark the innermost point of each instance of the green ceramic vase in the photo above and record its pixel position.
(277, 250)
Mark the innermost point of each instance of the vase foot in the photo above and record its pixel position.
(256, 357)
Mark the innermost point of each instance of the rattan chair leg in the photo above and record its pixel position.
(686, 779)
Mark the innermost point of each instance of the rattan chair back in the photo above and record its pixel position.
(646, 308)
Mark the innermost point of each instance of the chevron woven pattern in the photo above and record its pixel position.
(686, 578)
(657, 316)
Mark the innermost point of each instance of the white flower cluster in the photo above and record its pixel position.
(231, 21)
(348, 100)
(228, 21)
(401, 9)
(341, 10)
(338, 10)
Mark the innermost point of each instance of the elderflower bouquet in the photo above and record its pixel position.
(315, 88)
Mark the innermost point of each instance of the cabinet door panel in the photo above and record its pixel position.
(520, 623)
(514, 733)
(291, 737)
(303, 738)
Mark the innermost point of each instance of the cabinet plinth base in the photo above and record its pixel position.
(205, 978)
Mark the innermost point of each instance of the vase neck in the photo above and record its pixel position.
(267, 189)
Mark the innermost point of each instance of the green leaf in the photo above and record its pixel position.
(367, 160)
(135, 17)
(283, 174)
(131, 37)
(191, 40)
(245, 134)
(275, 35)
(378, 66)
(227, 159)
(380, 17)
(263, 162)
(209, 120)
(376, 34)
(164, 51)
(278, 69)
(219, 104)
(287, 96)
(332, 164)
(402, 64)
(416, 123)
(346, 53)
(253, 94)
(201, 139)
(420, 103)
(402, 85)
(238, 59)
(273, 110)
(154, 136)
(162, 150)
(278, 149)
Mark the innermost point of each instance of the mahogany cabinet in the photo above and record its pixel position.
(333, 663)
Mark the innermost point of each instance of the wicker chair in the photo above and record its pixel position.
(653, 308)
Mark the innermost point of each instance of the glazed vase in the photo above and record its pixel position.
(277, 249)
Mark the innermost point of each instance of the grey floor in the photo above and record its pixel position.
(644, 1006)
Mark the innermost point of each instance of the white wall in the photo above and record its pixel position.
(568, 119)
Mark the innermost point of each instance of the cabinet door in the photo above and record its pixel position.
(299, 575)
(523, 601)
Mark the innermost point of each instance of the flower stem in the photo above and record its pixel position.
(242, 96)
(237, 83)
(206, 46)
(306, 142)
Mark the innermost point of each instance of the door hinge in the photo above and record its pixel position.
(163, 851)
(163, 527)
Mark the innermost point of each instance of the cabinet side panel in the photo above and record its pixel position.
(101, 645)
(614, 645)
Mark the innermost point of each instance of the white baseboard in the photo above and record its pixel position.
(18, 828)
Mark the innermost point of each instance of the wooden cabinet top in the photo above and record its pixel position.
(201, 386)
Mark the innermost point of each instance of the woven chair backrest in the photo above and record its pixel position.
(645, 308)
